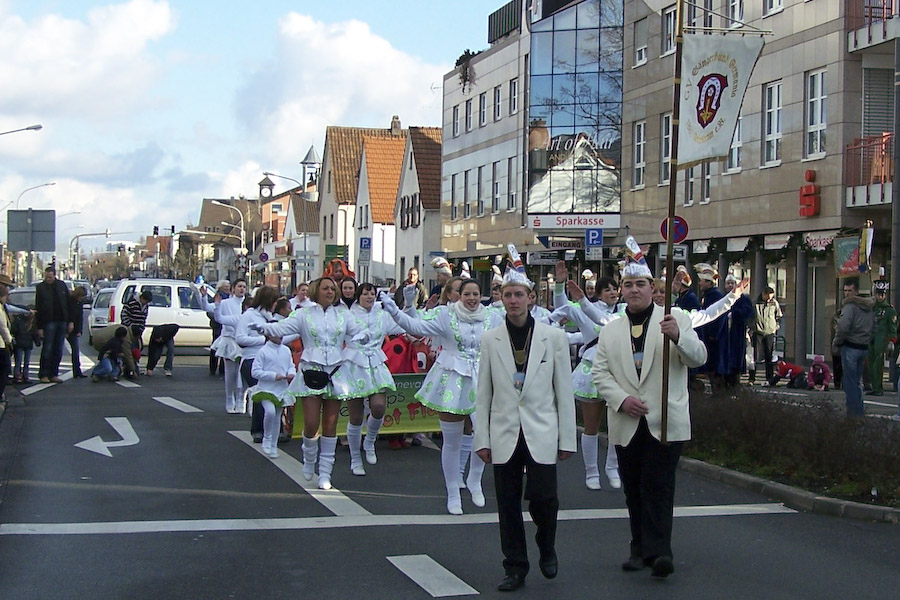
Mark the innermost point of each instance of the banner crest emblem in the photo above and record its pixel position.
(710, 89)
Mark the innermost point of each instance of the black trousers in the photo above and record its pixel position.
(257, 412)
(647, 469)
(543, 505)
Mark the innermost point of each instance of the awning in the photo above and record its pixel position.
(700, 246)
(738, 244)
(818, 240)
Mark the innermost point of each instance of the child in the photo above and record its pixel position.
(819, 374)
(794, 374)
(25, 335)
(274, 370)
(109, 361)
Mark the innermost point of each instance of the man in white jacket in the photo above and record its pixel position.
(526, 419)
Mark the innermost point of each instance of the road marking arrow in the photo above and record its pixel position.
(122, 427)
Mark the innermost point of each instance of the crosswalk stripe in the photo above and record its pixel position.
(364, 520)
(177, 404)
(431, 576)
(332, 499)
(128, 384)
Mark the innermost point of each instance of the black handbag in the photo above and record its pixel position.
(317, 380)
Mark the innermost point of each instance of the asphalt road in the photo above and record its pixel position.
(187, 507)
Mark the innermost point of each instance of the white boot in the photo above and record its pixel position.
(473, 482)
(354, 440)
(465, 450)
(612, 466)
(452, 436)
(310, 453)
(373, 425)
(326, 461)
(589, 453)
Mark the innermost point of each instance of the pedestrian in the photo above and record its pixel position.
(300, 298)
(348, 293)
(76, 317)
(324, 329)
(768, 314)
(223, 290)
(733, 346)
(855, 330)
(819, 374)
(134, 317)
(367, 371)
(273, 370)
(442, 272)
(590, 290)
(53, 323)
(527, 424)
(795, 374)
(24, 336)
(109, 361)
(712, 333)
(6, 339)
(685, 298)
(628, 372)
(412, 278)
(451, 384)
(227, 312)
(162, 337)
(885, 334)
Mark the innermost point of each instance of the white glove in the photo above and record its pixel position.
(409, 294)
(388, 303)
(257, 327)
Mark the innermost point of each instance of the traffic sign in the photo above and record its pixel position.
(679, 229)
(593, 253)
(263, 257)
(365, 243)
(593, 237)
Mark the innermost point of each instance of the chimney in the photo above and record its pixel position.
(395, 125)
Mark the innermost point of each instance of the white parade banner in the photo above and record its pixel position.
(715, 73)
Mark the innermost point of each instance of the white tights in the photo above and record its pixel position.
(271, 424)
(233, 389)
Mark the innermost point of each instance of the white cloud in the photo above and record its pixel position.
(94, 69)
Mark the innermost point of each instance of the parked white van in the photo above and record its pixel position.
(174, 301)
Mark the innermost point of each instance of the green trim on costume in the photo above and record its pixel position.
(260, 396)
(444, 409)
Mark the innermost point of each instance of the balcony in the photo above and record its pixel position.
(869, 171)
(871, 23)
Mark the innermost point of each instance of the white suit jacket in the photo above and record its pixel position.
(616, 377)
(544, 409)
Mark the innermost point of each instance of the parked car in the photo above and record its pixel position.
(174, 301)
(22, 296)
(99, 315)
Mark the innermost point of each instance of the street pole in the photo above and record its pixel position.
(895, 203)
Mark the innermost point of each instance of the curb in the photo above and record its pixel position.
(790, 496)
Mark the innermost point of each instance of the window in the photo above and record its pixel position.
(772, 124)
(453, 213)
(815, 114)
(162, 295)
(707, 16)
(324, 226)
(416, 211)
(705, 181)
(772, 6)
(668, 31)
(467, 210)
(482, 109)
(735, 13)
(511, 183)
(690, 186)
(456, 120)
(329, 181)
(640, 159)
(495, 187)
(513, 96)
(186, 298)
(640, 42)
(468, 115)
(277, 208)
(479, 191)
(734, 153)
(497, 103)
(331, 230)
(403, 213)
(665, 147)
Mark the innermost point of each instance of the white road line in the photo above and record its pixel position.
(431, 576)
(332, 499)
(873, 403)
(128, 384)
(177, 404)
(367, 520)
(35, 388)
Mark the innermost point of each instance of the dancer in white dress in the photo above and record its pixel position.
(324, 329)
(273, 371)
(228, 312)
(367, 372)
(451, 383)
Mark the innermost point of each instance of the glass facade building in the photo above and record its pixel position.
(575, 118)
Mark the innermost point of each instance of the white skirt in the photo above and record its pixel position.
(365, 381)
(226, 347)
(338, 388)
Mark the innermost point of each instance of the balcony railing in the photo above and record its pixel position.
(869, 160)
(869, 15)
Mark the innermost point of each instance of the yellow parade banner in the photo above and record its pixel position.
(403, 414)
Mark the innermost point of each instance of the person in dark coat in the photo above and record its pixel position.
(53, 323)
(685, 298)
(76, 318)
(733, 349)
(161, 337)
(710, 334)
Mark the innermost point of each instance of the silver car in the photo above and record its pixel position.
(99, 316)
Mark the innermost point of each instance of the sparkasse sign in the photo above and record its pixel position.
(573, 221)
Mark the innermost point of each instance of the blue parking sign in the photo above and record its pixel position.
(593, 237)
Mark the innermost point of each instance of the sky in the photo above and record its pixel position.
(149, 106)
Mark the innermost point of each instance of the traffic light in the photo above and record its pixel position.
(156, 230)
(173, 230)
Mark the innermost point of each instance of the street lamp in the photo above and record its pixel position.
(32, 188)
(308, 198)
(240, 214)
(29, 128)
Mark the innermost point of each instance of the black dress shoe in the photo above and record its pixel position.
(257, 438)
(634, 563)
(549, 564)
(511, 583)
(662, 567)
